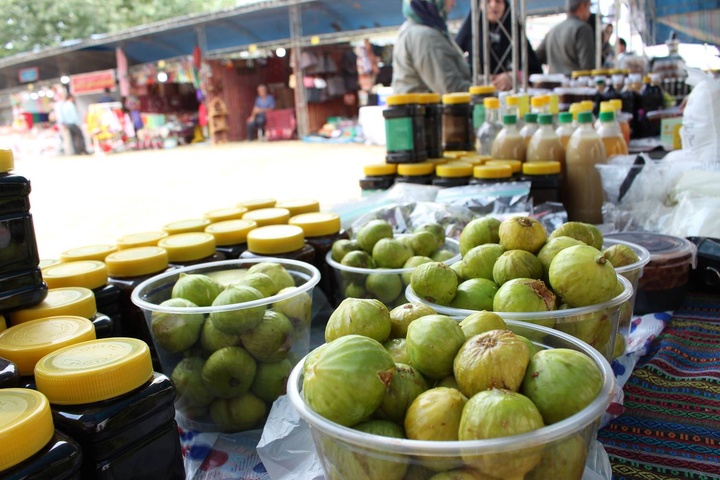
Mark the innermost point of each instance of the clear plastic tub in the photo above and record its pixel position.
(596, 325)
(339, 448)
(193, 409)
(632, 272)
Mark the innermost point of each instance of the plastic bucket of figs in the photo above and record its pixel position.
(228, 334)
(565, 280)
(493, 400)
(377, 262)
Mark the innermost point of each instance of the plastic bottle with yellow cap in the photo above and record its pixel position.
(565, 128)
(453, 174)
(509, 145)
(298, 206)
(321, 230)
(31, 447)
(433, 123)
(545, 144)
(478, 94)
(222, 214)
(282, 241)
(106, 396)
(545, 181)
(417, 173)
(530, 127)
(192, 248)
(491, 174)
(9, 374)
(404, 129)
(231, 236)
(457, 122)
(485, 135)
(268, 216)
(377, 178)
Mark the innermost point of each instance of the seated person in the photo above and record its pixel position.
(256, 121)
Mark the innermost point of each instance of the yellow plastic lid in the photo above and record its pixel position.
(222, 214)
(402, 99)
(596, 72)
(317, 224)
(580, 73)
(482, 89)
(512, 100)
(300, 205)
(587, 105)
(491, 102)
(144, 239)
(541, 168)
(515, 165)
(76, 301)
(492, 171)
(230, 232)
(454, 154)
(83, 273)
(26, 425)
(186, 226)
(90, 252)
(380, 169)
(416, 169)
(606, 107)
(456, 98)
(257, 203)
(616, 103)
(94, 371)
(25, 344)
(425, 98)
(275, 239)
(136, 262)
(188, 247)
(454, 170)
(46, 262)
(474, 159)
(539, 101)
(7, 160)
(268, 216)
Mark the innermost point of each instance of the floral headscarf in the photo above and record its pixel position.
(426, 12)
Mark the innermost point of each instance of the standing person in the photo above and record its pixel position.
(569, 45)
(106, 97)
(256, 122)
(64, 132)
(71, 120)
(608, 52)
(425, 58)
(501, 68)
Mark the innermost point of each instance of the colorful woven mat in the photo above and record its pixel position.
(670, 428)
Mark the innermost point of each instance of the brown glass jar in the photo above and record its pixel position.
(404, 129)
(433, 123)
(417, 173)
(231, 236)
(457, 122)
(282, 241)
(378, 178)
(191, 248)
(453, 174)
(545, 181)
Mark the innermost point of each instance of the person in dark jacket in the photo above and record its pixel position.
(499, 19)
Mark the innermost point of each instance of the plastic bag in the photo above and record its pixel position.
(700, 132)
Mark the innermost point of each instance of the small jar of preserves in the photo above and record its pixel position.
(89, 252)
(515, 166)
(433, 123)
(223, 214)
(453, 174)
(268, 216)
(491, 174)
(378, 178)
(404, 129)
(191, 248)
(478, 94)
(299, 206)
(231, 236)
(417, 173)
(186, 226)
(457, 122)
(282, 241)
(143, 239)
(545, 181)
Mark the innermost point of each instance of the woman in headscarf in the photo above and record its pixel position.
(500, 29)
(425, 57)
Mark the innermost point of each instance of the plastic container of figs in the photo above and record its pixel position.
(390, 282)
(227, 378)
(347, 453)
(597, 325)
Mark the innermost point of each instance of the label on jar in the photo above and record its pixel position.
(399, 134)
(478, 115)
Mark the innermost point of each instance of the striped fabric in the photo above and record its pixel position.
(671, 425)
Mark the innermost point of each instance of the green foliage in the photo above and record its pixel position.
(36, 24)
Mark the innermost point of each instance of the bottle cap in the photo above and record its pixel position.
(275, 239)
(565, 117)
(300, 205)
(402, 99)
(222, 214)
(317, 224)
(531, 118)
(426, 98)
(144, 239)
(188, 247)
(492, 171)
(90, 252)
(257, 203)
(491, 102)
(547, 119)
(515, 165)
(585, 117)
(26, 425)
(137, 261)
(380, 169)
(509, 119)
(454, 170)
(606, 107)
(415, 169)
(456, 98)
(75, 301)
(616, 103)
(186, 226)
(482, 89)
(268, 216)
(607, 116)
(7, 160)
(82, 273)
(230, 232)
(539, 101)
(541, 168)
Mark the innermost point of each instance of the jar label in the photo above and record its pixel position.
(478, 115)
(399, 134)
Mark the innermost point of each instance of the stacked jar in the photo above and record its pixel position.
(491, 174)
(453, 174)
(231, 236)
(417, 173)
(433, 123)
(457, 122)
(545, 181)
(190, 248)
(478, 94)
(283, 241)
(404, 129)
(378, 178)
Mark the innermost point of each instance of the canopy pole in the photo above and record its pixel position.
(514, 35)
(523, 46)
(486, 44)
(598, 38)
(475, 42)
(301, 112)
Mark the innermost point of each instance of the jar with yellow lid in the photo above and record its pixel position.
(9, 374)
(378, 178)
(142, 239)
(515, 165)
(88, 252)
(282, 241)
(268, 216)
(299, 206)
(32, 448)
(190, 248)
(90, 274)
(26, 343)
(257, 203)
(404, 129)
(545, 179)
(105, 395)
(186, 226)
(74, 301)
(417, 173)
(478, 94)
(222, 214)
(491, 174)
(231, 236)
(457, 122)
(21, 283)
(452, 174)
(321, 230)
(433, 123)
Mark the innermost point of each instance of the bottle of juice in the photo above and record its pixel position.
(583, 192)
(651, 99)
(545, 145)
(566, 129)
(631, 99)
(622, 118)
(487, 132)
(530, 127)
(508, 144)
(611, 135)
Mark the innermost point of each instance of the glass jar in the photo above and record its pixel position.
(491, 174)
(89, 252)
(478, 94)
(143, 239)
(186, 226)
(21, 283)
(378, 178)
(185, 249)
(283, 241)
(404, 129)
(433, 123)
(417, 173)
(257, 203)
(453, 174)
(299, 206)
(321, 230)
(545, 181)
(223, 214)
(105, 395)
(231, 236)
(268, 216)
(9, 374)
(37, 451)
(457, 122)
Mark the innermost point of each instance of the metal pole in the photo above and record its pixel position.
(523, 47)
(598, 38)
(301, 112)
(486, 43)
(617, 30)
(475, 60)
(514, 35)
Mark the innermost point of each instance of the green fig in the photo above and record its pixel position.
(368, 317)
(481, 322)
(241, 319)
(434, 282)
(201, 290)
(271, 339)
(229, 372)
(522, 233)
(434, 358)
(403, 315)
(239, 413)
(479, 232)
(406, 385)
(176, 332)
